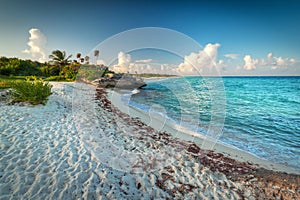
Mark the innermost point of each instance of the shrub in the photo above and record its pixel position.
(71, 75)
(5, 84)
(70, 71)
(54, 70)
(32, 90)
(15, 66)
(10, 67)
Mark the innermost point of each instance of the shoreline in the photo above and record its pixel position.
(185, 134)
(155, 79)
(80, 146)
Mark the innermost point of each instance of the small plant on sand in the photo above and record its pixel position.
(4, 84)
(32, 90)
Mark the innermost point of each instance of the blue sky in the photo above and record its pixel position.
(243, 28)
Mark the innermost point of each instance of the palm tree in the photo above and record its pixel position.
(60, 57)
(96, 54)
(87, 59)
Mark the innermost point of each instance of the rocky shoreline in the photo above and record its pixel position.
(47, 152)
(258, 183)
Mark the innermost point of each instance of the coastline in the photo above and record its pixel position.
(155, 79)
(79, 145)
(184, 134)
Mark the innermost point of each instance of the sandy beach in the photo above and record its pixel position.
(86, 144)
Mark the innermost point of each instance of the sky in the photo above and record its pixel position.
(236, 37)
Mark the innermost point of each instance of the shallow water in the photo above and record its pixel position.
(261, 113)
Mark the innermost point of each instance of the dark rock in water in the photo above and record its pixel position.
(96, 75)
(121, 82)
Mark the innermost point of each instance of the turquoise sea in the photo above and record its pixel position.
(261, 114)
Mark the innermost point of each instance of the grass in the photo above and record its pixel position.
(32, 90)
(4, 84)
(11, 78)
(56, 79)
(6, 81)
(27, 89)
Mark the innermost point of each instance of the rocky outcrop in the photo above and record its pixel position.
(119, 81)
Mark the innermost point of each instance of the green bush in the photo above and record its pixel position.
(18, 67)
(10, 67)
(5, 84)
(70, 71)
(71, 75)
(32, 90)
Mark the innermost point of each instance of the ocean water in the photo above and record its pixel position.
(259, 115)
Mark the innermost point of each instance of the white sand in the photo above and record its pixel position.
(160, 123)
(72, 149)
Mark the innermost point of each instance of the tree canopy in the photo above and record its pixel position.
(60, 57)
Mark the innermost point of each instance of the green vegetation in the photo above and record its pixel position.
(90, 73)
(18, 67)
(60, 58)
(5, 81)
(56, 78)
(4, 84)
(14, 73)
(11, 78)
(32, 90)
(11, 68)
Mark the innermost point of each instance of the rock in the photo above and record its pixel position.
(119, 81)
(5, 93)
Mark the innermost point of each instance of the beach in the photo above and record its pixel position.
(85, 144)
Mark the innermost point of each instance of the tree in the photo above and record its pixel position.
(11, 67)
(87, 59)
(96, 54)
(60, 57)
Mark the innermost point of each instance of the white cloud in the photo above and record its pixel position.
(144, 61)
(280, 61)
(192, 64)
(204, 62)
(198, 62)
(250, 64)
(124, 61)
(212, 50)
(292, 61)
(277, 62)
(37, 42)
(231, 56)
(126, 64)
(270, 57)
(271, 60)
